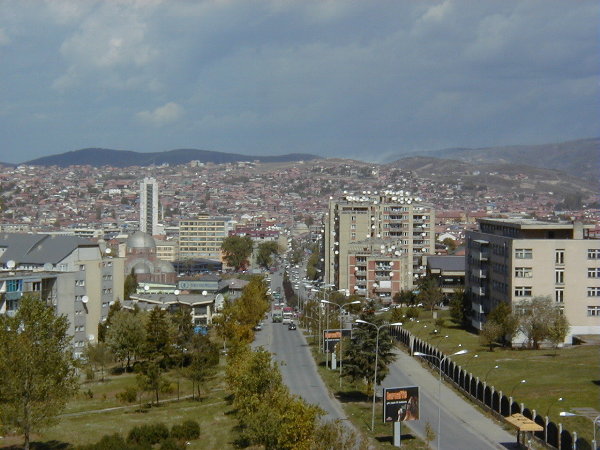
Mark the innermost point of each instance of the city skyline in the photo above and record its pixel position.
(264, 78)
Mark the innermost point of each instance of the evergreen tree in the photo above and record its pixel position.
(359, 359)
(159, 341)
(131, 285)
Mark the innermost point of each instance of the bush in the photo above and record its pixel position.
(107, 442)
(440, 322)
(187, 431)
(412, 312)
(129, 395)
(90, 375)
(148, 434)
(171, 444)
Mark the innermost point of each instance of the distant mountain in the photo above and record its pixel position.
(122, 158)
(580, 158)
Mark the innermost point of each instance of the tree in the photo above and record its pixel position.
(490, 333)
(312, 271)
(536, 317)
(236, 251)
(98, 355)
(509, 323)
(131, 285)
(430, 293)
(159, 342)
(450, 244)
(405, 298)
(334, 434)
(460, 307)
(37, 368)
(266, 250)
(205, 358)
(103, 327)
(359, 359)
(150, 378)
(559, 329)
(126, 336)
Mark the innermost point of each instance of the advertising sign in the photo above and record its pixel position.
(400, 404)
(332, 337)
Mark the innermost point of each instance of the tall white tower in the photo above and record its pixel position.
(149, 206)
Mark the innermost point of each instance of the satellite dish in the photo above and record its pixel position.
(48, 266)
(108, 251)
(91, 337)
(146, 288)
(112, 302)
(176, 292)
(85, 299)
(11, 264)
(204, 292)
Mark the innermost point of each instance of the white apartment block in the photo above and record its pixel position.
(149, 206)
(202, 237)
(514, 260)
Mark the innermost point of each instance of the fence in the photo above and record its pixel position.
(499, 404)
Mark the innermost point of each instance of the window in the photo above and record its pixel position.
(559, 256)
(559, 276)
(593, 311)
(523, 253)
(523, 272)
(593, 253)
(36, 286)
(14, 285)
(594, 272)
(523, 291)
(559, 295)
(593, 291)
(82, 267)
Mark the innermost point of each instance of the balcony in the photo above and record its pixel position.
(481, 255)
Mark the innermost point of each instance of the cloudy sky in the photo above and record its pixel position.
(361, 79)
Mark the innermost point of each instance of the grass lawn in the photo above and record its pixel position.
(572, 373)
(86, 426)
(358, 407)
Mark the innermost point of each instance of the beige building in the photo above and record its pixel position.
(167, 250)
(361, 230)
(514, 260)
(202, 237)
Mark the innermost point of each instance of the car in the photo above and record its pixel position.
(292, 326)
(258, 327)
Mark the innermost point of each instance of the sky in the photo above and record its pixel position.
(335, 78)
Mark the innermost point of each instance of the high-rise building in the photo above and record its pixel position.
(511, 260)
(202, 237)
(374, 243)
(149, 206)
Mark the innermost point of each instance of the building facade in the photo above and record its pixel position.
(514, 260)
(149, 206)
(364, 229)
(202, 237)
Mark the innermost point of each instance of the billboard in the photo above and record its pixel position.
(332, 337)
(400, 404)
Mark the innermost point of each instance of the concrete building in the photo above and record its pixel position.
(149, 206)
(449, 272)
(202, 237)
(72, 274)
(395, 220)
(514, 260)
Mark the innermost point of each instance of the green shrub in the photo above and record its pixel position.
(149, 434)
(129, 395)
(107, 442)
(412, 312)
(89, 374)
(171, 444)
(440, 322)
(187, 431)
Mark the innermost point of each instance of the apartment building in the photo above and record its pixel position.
(202, 237)
(363, 229)
(69, 273)
(511, 260)
(149, 206)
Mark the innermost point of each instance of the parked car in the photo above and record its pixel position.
(292, 326)
(258, 327)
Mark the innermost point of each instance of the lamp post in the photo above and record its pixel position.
(515, 386)
(470, 359)
(341, 307)
(559, 399)
(440, 362)
(488, 372)
(594, 421)
(395, 324)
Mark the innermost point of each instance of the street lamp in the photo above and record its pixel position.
(515, 386)
(559, 399)
(341, 307)
(395, 324)
(470, 359)
(488, 372)
(440, 362)
(570, 414)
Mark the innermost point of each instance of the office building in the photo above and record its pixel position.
(368, 234)
(511, 260)
(149, 206)
(202, 237)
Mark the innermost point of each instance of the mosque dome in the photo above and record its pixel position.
(140, 240)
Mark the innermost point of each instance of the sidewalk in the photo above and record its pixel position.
(463, 425)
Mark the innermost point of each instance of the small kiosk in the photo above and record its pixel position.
(525, 425)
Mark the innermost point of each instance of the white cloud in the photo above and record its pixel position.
(168, 113)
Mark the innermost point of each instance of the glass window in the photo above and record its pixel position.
(523, 272)
(593, 292)
(594, 272)
(559, 276)
(523, 291)
(593, 311)
(559, 295)
(593, 253)
(559, 256)
(523, 253)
